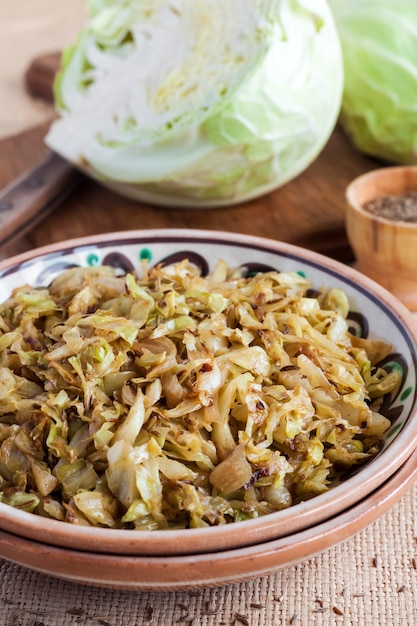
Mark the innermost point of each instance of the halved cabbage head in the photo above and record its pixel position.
(198, 102)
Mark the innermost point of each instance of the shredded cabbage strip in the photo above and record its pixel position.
(175, 400)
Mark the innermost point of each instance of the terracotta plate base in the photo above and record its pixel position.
(169, 573)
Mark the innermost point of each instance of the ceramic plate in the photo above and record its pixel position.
(374, 313)
(174, 573)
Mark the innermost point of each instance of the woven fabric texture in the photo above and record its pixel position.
(368, 580)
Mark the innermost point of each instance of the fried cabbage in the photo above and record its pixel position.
(174, 400)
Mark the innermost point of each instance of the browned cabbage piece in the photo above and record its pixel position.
(175, 400)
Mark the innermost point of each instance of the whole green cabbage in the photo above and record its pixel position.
(198, 102)
(379, 107)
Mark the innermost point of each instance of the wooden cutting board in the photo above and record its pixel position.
(308, 211)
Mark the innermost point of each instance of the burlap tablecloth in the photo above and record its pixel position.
(370, 579)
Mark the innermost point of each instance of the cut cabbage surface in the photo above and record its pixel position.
(198, 102)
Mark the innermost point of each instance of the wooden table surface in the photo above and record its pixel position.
(308, 211)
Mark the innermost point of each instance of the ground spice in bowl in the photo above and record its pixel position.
(381, 224)
(401, 208)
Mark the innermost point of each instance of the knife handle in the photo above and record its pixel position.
(40, 75)
(29, 198)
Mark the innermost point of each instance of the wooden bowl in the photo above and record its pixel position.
(385, 249)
